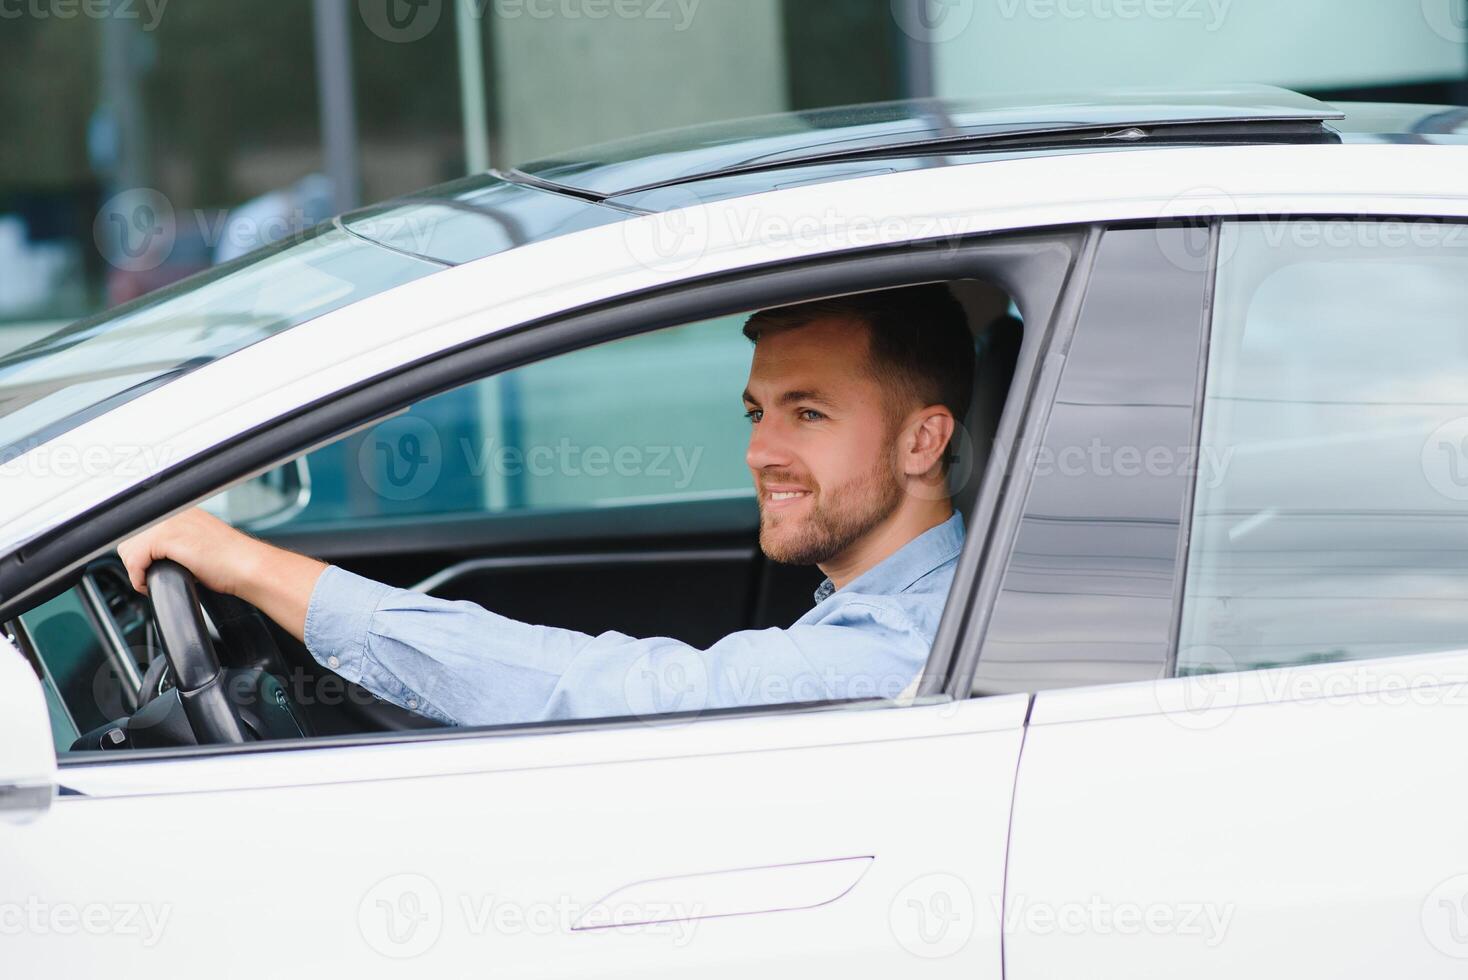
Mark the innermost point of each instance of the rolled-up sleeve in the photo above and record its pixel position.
(459, 663)
(338, 616)
(339, 621)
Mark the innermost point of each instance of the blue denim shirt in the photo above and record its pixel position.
(461, 664)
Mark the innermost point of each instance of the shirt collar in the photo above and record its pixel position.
(898, 571)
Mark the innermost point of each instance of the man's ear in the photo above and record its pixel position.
(925, 441)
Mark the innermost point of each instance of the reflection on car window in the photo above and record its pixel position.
(475, 217)
(69, 377)
(646, 419)
(1333, 526)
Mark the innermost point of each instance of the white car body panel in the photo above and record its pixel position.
(1301, 821)
(27, 757)
(248, 389)
(518, 848)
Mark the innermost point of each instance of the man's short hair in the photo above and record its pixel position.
(921, 347)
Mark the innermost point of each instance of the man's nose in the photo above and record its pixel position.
(768, 445)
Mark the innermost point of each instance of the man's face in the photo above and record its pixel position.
(821, 446)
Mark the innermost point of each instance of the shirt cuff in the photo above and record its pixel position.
(338, 616)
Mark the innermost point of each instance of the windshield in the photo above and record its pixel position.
(90, 367)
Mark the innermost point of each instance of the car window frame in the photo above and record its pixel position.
(66, 549)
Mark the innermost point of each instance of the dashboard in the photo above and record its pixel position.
(100, 657)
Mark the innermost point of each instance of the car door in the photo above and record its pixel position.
(859, 841)
(1284, 795)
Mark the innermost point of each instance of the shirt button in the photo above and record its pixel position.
(333, 662)
(412, 704)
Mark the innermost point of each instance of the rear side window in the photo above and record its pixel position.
(1336, 525)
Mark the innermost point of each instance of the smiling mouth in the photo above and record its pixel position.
(778, 500)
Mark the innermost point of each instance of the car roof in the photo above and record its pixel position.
(919, 126)
(492, 212)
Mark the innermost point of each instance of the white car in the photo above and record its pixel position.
(1197, 706)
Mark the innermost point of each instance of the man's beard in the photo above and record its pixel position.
(836, 521)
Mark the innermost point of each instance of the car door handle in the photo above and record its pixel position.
(738, 891)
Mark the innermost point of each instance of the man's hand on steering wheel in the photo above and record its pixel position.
(235, 571)
(275, 581)
(216, 554)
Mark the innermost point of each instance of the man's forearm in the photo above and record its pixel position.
(279, 583)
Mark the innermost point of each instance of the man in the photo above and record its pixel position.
(853, 404)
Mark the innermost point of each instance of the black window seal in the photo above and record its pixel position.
(61, 553)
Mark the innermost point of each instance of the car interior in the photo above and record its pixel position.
(680, 564)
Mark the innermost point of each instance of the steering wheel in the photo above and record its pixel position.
(206, 687)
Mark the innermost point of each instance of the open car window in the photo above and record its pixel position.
(628, 461)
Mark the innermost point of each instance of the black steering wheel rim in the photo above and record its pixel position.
(197, 673)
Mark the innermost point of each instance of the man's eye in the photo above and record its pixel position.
(753, 414)
(811, 415)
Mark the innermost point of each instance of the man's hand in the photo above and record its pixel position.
(277, 582)
(218, 555)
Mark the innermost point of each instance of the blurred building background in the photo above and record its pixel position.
(142, 140)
